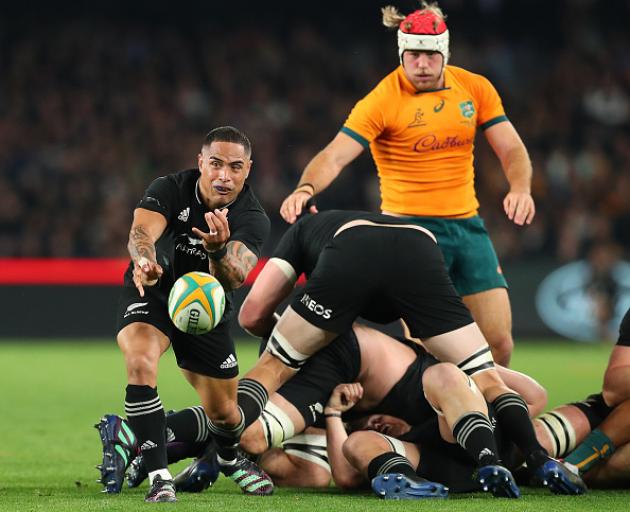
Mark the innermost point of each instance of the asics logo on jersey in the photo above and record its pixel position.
(437, 108)
(316, 308)
(184, 214)
(230, 362)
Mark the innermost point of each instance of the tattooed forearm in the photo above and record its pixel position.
(140, 244)
(234, 267)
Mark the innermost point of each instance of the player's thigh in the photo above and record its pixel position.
(491, 310)
(459, 345)
(296, 338)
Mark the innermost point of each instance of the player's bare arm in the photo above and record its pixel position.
(342, 399)
(320, 172)
(232, 269)
(274, 284)
(518, 204)
(145, 230)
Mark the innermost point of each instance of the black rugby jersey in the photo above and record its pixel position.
(303, 242)
(179, 250)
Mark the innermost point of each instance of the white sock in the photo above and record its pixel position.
(164, 475)
(224, 462)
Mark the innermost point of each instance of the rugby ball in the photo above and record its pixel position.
(196, 303)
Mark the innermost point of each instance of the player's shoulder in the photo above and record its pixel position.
(179, 179)
(247, 201)
(467, 79)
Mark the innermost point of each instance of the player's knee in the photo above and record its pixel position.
(352, 445)
(442, 379)
(141, 368)
(502, 345)
(252, 441)
(223, 411)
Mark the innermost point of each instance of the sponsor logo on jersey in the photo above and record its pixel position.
(230, 362)
(132, 309)
(417, 120)
(316, 308)
(195, 241)
(184, 214)
(431, 142)
(438, 108)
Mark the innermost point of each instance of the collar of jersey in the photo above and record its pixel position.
(409, 87)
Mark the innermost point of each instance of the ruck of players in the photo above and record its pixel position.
(432, 411)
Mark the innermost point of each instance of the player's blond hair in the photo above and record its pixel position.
(392, 18)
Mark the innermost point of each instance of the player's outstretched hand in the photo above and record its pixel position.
(145, 273)
(293, 205)
(219, 232)
(519, 207)
(344, 397)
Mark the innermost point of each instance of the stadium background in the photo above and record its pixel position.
(97, 100)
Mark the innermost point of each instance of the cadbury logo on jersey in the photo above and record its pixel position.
(316, 308)
(432, 143)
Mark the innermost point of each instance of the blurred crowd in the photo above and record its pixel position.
(92, 108)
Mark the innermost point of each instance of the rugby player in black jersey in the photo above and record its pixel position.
(384, 269)
(204, 219)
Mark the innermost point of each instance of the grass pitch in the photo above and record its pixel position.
(52, 392)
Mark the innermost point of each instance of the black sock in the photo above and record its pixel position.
(227, 439)
(177, 451)
(190, 424)
(513, 416)
(146, 418)
(390, 462)
(474, 433)
(252, 398)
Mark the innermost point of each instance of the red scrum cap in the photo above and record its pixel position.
(424, 30)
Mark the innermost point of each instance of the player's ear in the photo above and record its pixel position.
(199, 160)
(249, 168)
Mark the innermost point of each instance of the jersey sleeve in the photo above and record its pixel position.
(490, 111)
(161, 197)
(366, 120)
(252, 228)
(288, 249)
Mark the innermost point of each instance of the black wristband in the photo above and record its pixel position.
(333, 415)
(218, 254)
(305, 184)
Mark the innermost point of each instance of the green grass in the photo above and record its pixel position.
(51, 393)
